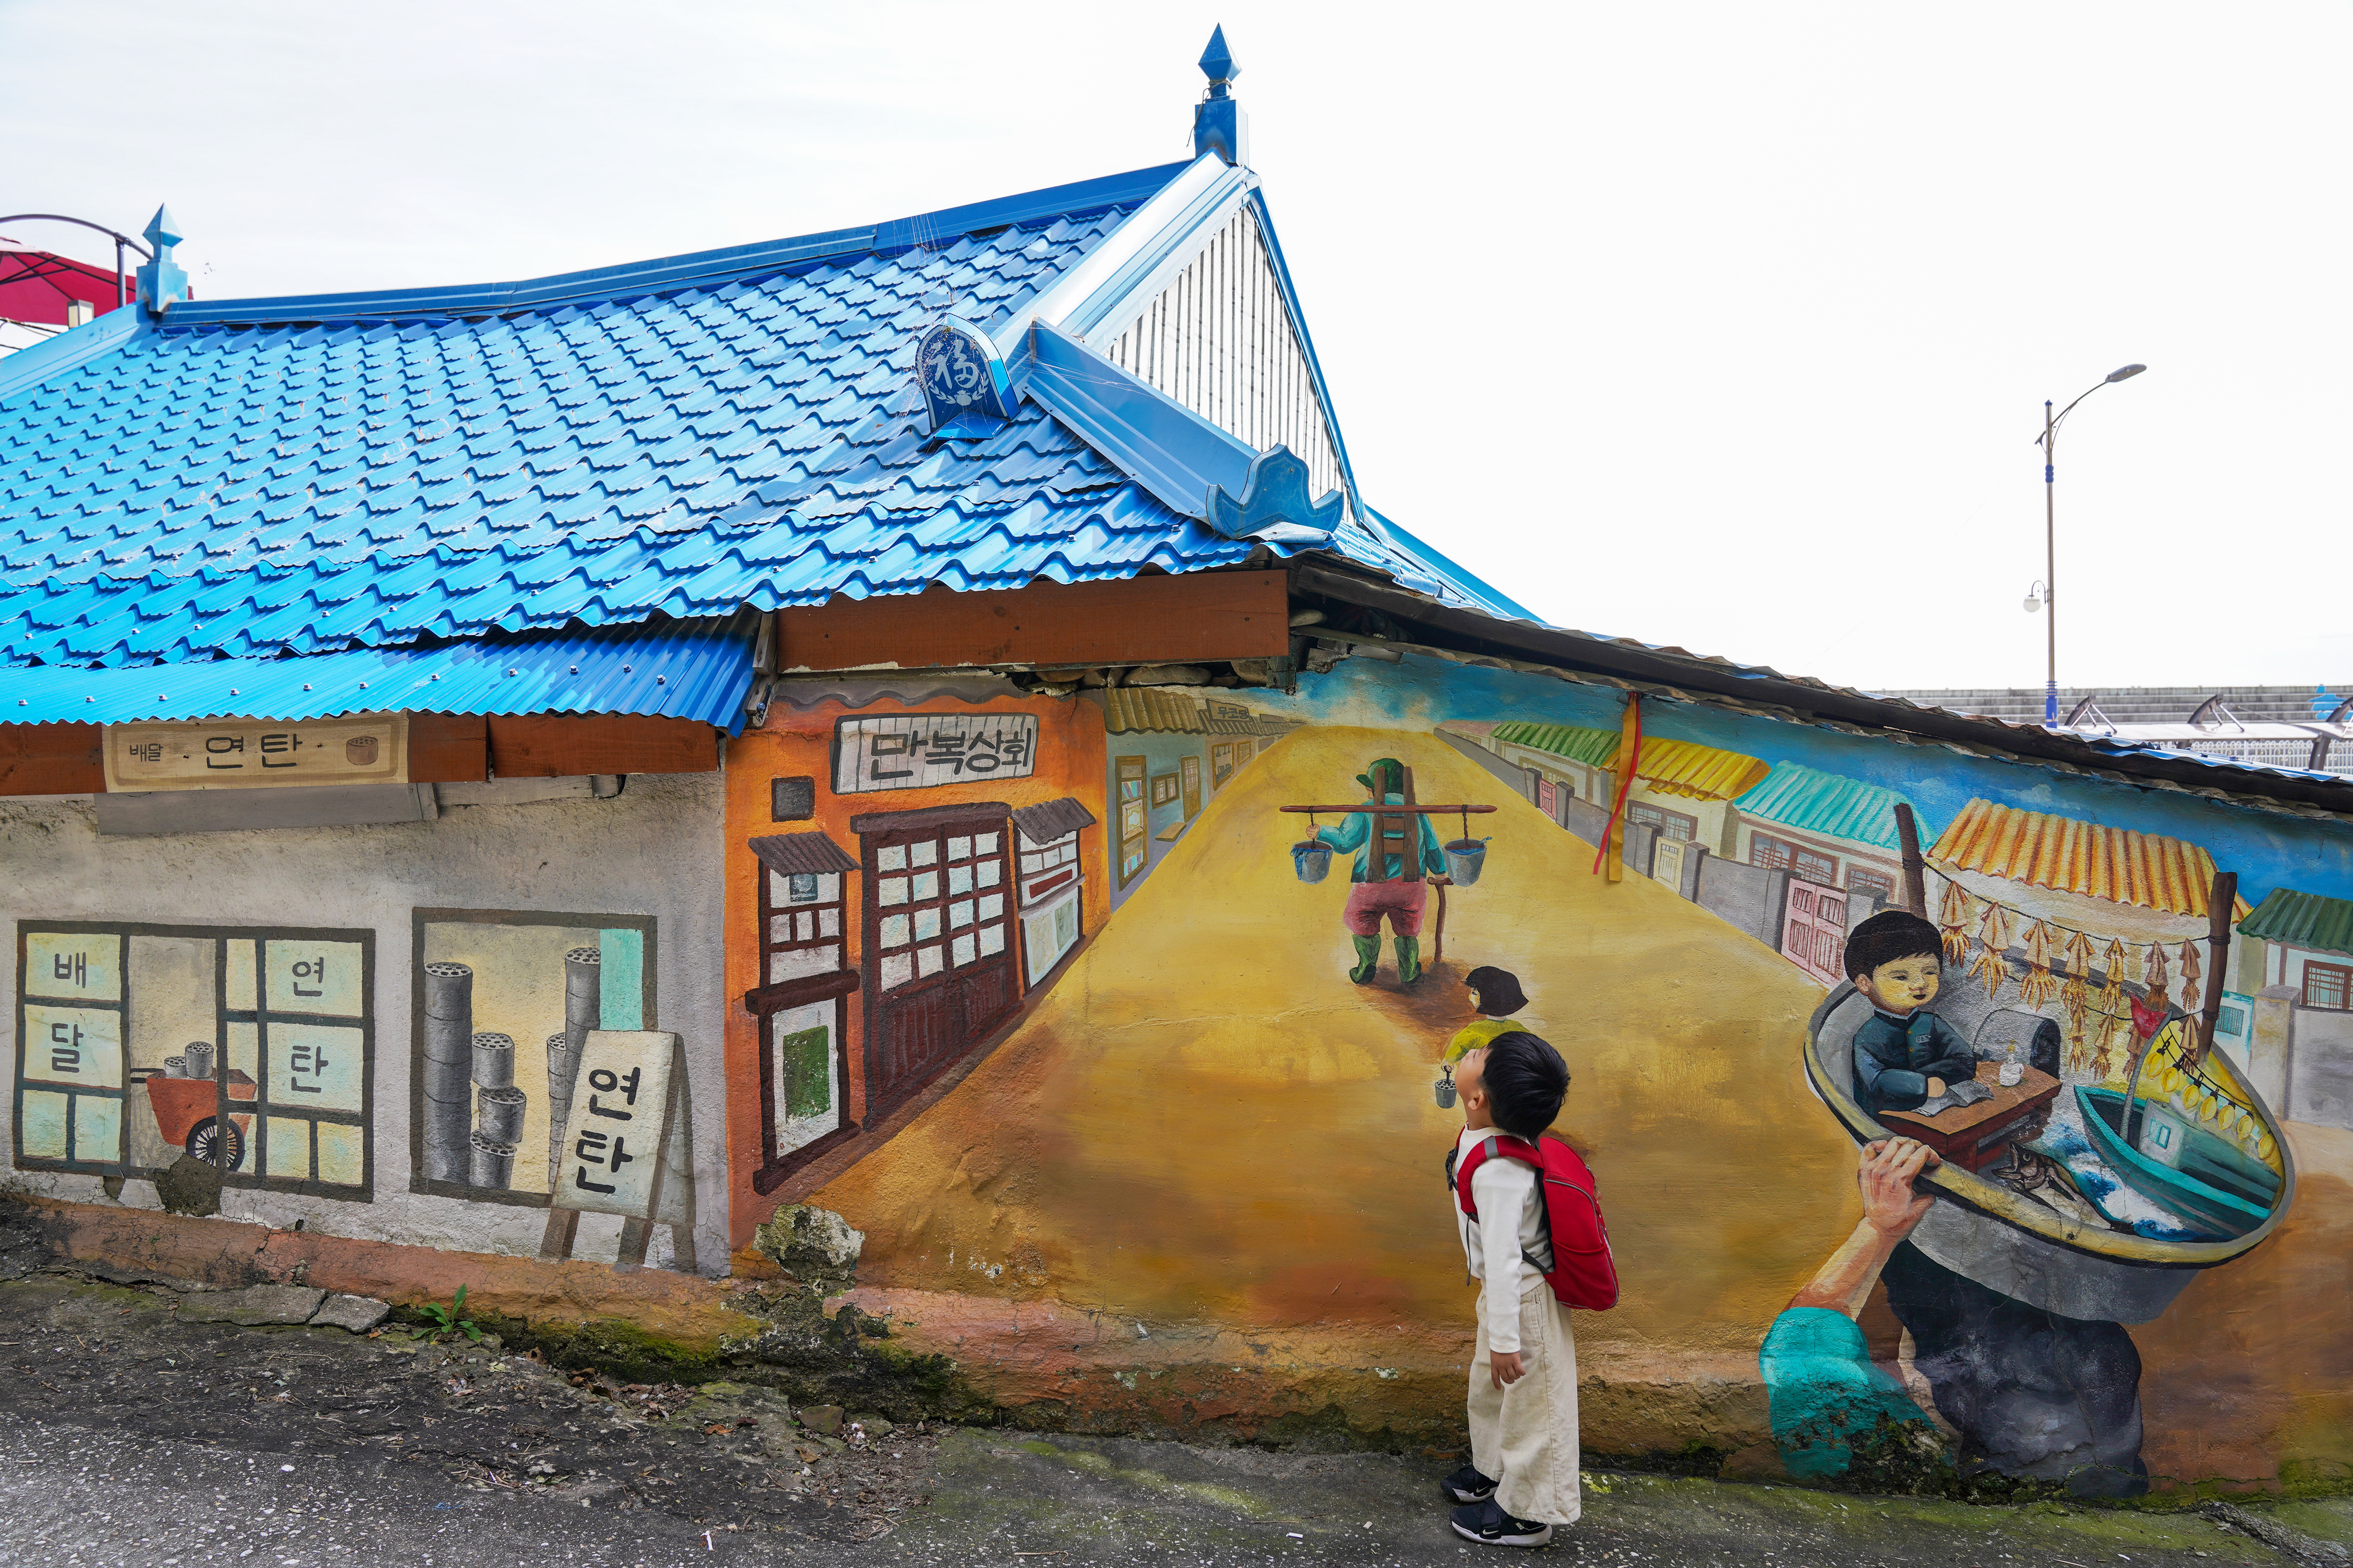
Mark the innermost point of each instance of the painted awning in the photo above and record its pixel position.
(1810, 801)
(802, 854)
(1671, 767)
(1052, 820)
(2084, 858)
(1129, 709)
(689, 669)
(2302, 920)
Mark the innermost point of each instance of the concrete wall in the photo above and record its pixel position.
(655, 850)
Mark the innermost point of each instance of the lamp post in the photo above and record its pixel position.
(2039, 597)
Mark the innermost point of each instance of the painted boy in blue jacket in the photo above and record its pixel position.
(1904, 1055)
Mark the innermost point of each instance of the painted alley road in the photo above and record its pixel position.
(127, 1438)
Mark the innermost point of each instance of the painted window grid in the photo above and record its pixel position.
(291, 1053)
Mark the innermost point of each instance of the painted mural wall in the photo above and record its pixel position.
(389, 1033)
(1183, 1170)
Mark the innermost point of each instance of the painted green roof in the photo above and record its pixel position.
(2302, 920)
(1593, 748)
(1811, 801)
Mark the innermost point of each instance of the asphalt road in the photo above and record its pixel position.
(130, 1437)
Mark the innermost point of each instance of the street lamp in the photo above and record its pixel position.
(2039, 597)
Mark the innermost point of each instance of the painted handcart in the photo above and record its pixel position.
(187, 1116)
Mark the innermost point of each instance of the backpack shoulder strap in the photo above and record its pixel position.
(1495, 1145)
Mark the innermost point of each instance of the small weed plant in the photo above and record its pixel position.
(450, 1320)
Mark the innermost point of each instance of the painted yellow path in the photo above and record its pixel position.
(1205, 1119)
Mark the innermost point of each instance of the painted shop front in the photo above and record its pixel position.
(529, 783)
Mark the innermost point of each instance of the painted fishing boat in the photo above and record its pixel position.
(2194, 1174)
(2092, 1261)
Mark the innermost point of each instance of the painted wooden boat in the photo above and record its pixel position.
(2207, 1182)
(2008, 1242)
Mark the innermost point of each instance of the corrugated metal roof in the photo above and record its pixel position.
(1053, 820)
(2302, 920)
(802, 854)
(2072, 857)
(1673, 767)
(1578, 743)
(1811, 801)
(677, 438)
(692, 670)
(1129, 709)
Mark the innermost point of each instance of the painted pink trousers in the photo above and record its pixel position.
(1401, 902)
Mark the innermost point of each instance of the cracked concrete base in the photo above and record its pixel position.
(134, 1437)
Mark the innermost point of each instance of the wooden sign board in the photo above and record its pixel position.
(258, 753)
(627, 1127)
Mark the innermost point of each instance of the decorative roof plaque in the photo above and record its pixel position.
(960, 373)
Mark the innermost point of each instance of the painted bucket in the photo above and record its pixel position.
(1466, 858)
(1312, 861)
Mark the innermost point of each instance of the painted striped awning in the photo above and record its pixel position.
(1671, 767)
(2071, 857)
(1130, 710)
(2302, 920)
(1811, 801)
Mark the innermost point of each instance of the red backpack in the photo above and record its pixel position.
(1583, 1272)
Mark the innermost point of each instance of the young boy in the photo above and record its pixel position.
(1904, 1056)
(1521, 1479)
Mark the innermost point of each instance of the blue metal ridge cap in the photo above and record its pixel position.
(1481, 594)
(74, 347)
(1154, 261)
(659, 273)
(1157, 441)
(702, 266)
(702, 674)
(1167, 210)
(1078, 197)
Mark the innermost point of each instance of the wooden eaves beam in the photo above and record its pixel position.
(443, 748)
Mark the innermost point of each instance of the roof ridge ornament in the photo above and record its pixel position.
(1274, 496)
(960, 372)
(1220, 125)
(161, 281)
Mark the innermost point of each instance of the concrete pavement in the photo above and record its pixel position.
(129, 1436)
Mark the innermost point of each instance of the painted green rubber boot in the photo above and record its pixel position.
(1368, 955)
(1409, 949)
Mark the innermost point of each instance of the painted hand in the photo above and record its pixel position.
(1889, 1205)
(1439, 882)
(1507, 1369)
(1936, 1086)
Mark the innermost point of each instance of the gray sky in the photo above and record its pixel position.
(1714, 324)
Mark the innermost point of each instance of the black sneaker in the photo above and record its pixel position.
(1467, 1485)
(1489, 1525)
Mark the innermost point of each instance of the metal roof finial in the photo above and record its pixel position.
(162, 280)
(1220, 125)
(1217, 63)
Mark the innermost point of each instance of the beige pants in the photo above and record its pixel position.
(1525, 1435)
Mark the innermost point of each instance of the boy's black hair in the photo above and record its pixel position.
(1499, 991)
(1525, 1082)
(1887, 936)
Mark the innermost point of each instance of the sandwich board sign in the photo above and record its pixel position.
(628, 1141)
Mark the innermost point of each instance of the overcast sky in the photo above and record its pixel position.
(1721, 325)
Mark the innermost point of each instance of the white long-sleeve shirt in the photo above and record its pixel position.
(1492, 1251)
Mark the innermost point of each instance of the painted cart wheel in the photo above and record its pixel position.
(201, 1143)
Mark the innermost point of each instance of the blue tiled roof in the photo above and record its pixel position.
(1811, 801)
(693, 670)
(678, 439)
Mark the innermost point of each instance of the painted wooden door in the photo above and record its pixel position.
(939, 958)
(1813, 930)
(1190, 768)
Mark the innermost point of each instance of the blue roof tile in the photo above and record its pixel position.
(682, 437)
